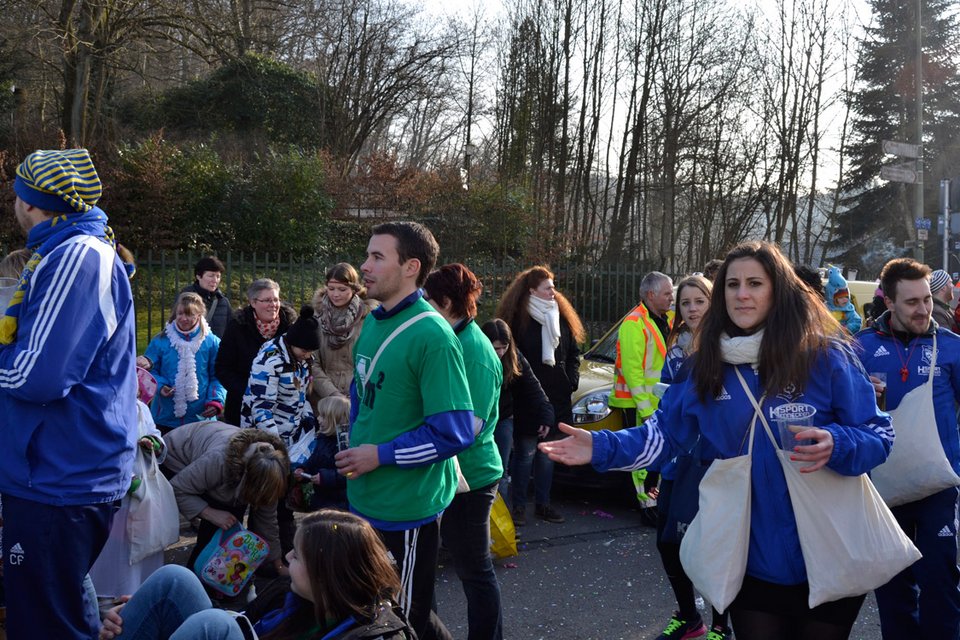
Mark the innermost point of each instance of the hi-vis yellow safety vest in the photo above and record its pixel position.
(641, 352)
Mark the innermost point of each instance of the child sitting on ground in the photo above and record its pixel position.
(343, 585)
(326, 488)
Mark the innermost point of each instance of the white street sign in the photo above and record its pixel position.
(901, 173)
(922, 234)
(902, 149)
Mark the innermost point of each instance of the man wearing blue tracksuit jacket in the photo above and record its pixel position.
(924, 600)
(67, 397)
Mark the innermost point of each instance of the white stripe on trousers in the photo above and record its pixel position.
(410, 538)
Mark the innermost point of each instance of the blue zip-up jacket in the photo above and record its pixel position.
(843, 397)
(673, 372)
(68, 382)
(165, 362)
(881, 351)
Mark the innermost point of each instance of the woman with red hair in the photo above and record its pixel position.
(548, 331)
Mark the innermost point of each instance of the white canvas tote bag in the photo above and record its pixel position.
(917, 466)
(717, 563)
(851, 543)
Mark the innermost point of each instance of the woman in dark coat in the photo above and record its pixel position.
(207, 273)
(265, 317)
(547, 331)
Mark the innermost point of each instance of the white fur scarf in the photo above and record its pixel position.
(547, 313)
(185, 387)
(742, 349)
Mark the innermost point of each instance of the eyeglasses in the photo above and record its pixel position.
(267, 300)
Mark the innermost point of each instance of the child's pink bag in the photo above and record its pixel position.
(228, 561)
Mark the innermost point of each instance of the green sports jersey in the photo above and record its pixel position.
(480, 463)
(420, 373)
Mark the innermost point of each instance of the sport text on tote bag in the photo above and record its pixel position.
(717, 570)
(917, 467)
(850, 541)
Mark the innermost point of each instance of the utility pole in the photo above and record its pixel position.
(918, 186)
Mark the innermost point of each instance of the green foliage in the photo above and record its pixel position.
(280, 204)
(252, 94)
(170, 197)
(488, 221)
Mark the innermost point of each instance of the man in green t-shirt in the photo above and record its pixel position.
(410, 414)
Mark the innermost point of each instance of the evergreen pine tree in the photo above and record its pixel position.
(884, 108)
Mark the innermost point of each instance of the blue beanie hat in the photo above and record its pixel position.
(58, 181)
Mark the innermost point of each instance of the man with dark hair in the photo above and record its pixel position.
(67, 396)
(413, 241)
(924, 600)
(710, 269)
(811, 277)
(207, 273)
(410, 414)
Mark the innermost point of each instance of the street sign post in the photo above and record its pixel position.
(902, 149)
(906, 172)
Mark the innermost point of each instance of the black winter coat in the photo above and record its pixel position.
(525, 400)
(238, 347)
(221, 315)
(560, 380)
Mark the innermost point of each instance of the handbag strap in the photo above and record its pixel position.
(758, 411)
(933, 359)
(403, 327)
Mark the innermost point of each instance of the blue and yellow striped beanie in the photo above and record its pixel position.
(60, 181)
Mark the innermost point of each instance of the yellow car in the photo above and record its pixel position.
(591, 411)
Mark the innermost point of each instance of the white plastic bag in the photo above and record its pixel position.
(153, 523)
(299, 451)
(717, 565)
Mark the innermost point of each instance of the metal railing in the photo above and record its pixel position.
(601, 294)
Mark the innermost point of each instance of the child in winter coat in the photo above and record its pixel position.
(838, 301)
(181, 358)
(318, 480)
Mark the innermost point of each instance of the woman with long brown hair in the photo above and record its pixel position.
(548, 333)
(342, 584)
(766, 344)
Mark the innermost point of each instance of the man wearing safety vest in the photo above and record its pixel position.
(641, 351)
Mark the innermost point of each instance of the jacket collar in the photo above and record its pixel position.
(382, 314)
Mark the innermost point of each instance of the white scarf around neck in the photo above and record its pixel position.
(742, 349)
(186, 387)
(547, 313)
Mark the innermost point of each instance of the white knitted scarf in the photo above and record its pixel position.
(547, 313)
(742, 349)
(185, 387)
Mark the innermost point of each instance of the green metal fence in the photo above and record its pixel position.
(601, 294)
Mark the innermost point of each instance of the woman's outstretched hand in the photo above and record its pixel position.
(575, 449)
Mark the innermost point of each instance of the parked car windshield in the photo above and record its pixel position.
(606, 349)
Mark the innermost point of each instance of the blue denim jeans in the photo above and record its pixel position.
(525, 456)
(503, 437)
(465, 529)
(172, 604)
